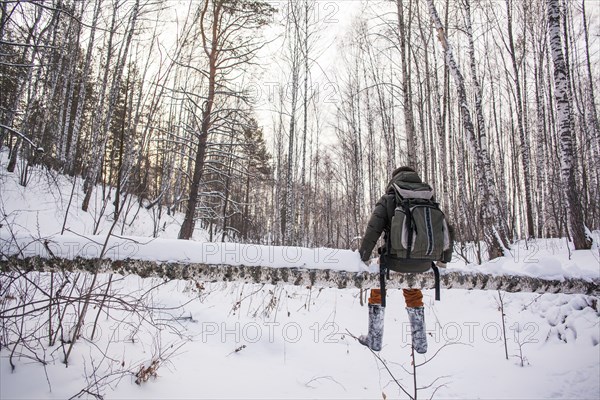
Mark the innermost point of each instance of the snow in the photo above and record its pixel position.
(292, 341)
(547, 259)
(35, 215)
(300, 347)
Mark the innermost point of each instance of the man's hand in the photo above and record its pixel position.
(440, 264)
(363, 266)
(366, 265)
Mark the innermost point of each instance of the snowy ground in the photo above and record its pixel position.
(292, 341)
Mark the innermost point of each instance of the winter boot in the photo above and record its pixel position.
(416, 315)
(374, 338)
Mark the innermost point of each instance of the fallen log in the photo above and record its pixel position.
(450, 279)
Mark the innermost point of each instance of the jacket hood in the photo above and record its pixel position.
(404, 179)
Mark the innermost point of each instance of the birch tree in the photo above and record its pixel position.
(521, 126)
(294, 43)
(564, 115)
(592, 114)
(404, 26)
(495, 230)
(104, 114)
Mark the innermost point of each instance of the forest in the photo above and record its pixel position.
(280, 123)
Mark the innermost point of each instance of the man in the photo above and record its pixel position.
(404, 181)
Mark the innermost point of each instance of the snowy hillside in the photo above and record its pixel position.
(36, 214)
(187, 339)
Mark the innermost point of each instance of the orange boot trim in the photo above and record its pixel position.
(413, 297)
(375, 297)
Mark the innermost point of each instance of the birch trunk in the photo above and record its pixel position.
(307, 277)
(303, 232)
(70, 154)
(103, 125)
(541, 142)
(564, 115)
(521, 126)
(290, 195)
(409, 123)
(592, 113)
(494, 229)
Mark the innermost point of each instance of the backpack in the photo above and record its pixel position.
(419, 230)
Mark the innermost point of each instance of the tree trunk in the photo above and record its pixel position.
(303, 233)
(409, 123)
(189, 221)
(290, 193)
(522, 128)
(306, 277)
(495, 228)
(70, 154)
(28, 59)
(575, 221)
(103, 125)
(592, 114)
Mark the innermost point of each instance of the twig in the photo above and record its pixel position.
(436, 389)
(385, 366)
(440, 349)
(307, 384)
(500, 303)
(237, 350)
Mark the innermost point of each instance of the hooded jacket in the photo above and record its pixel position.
(381, 219)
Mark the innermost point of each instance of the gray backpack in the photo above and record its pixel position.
(419, 230)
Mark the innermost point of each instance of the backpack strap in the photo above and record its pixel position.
(382, 273)
(405, 204)
(397, 194)
(436, 273)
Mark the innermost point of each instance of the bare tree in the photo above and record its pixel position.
(564, 113)
(226, 30)
(404, 26)
(103, 117)
(521, 125)
(495, 231)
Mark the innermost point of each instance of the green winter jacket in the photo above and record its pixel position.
(380, 222)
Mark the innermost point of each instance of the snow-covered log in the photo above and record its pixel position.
(450, 279)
